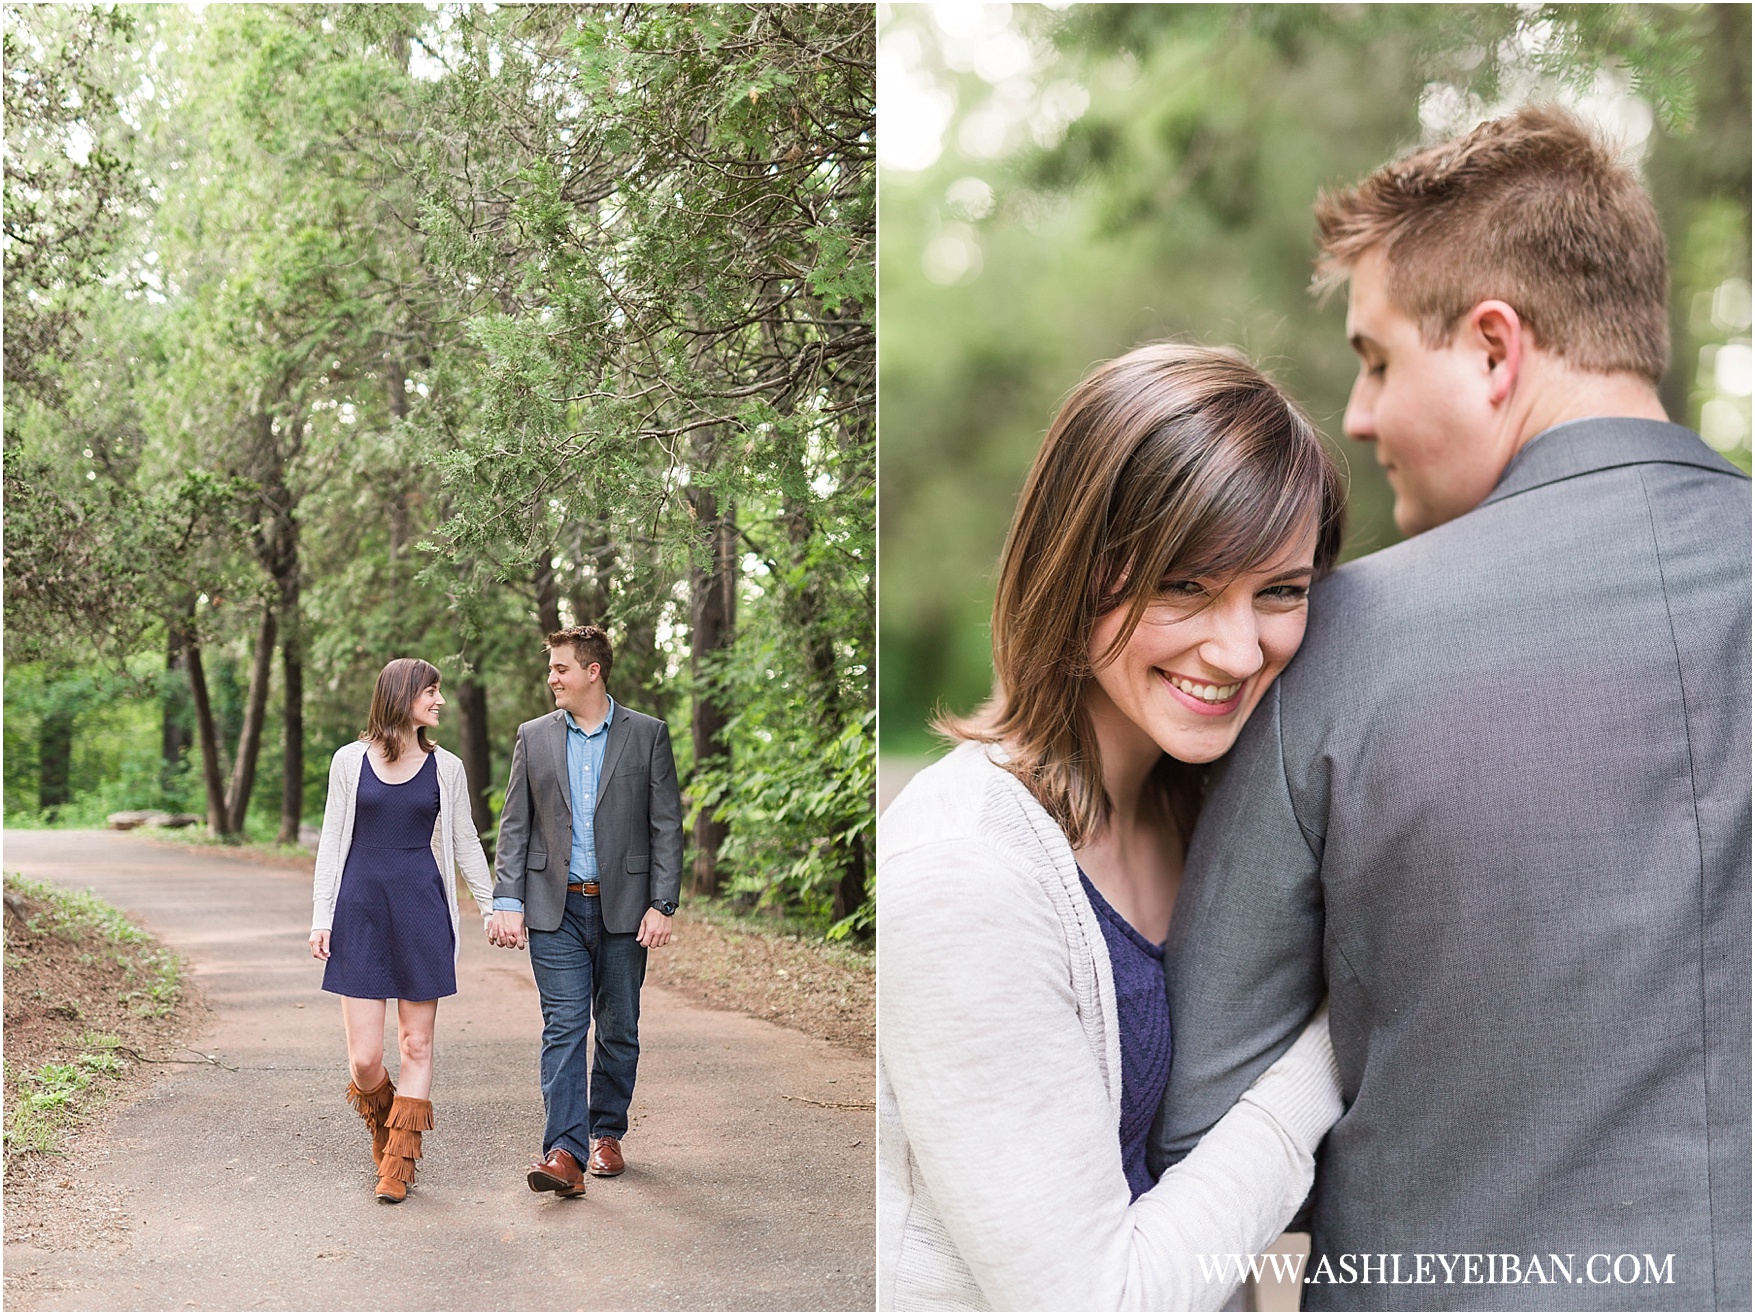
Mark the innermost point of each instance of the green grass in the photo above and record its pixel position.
(44, 1102)
(48, 1100)
(157, 994)
(75, 915)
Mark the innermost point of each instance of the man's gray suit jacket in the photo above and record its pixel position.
(1499, 809)
(637, 826)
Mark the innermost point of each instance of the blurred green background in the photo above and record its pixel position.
(1059, 185)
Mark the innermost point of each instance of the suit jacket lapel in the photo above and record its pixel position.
(612, 749)
(558, 750)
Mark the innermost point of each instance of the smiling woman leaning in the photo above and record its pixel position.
(1153, 586)
(396, 828)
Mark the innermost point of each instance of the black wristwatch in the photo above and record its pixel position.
(665, 906)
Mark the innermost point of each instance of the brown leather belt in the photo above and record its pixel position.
(582, 887)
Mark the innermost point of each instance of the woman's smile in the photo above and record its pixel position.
(1206, 697)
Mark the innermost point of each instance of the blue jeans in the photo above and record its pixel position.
(581, 968)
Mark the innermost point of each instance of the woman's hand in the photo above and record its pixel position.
(320, 942)
(506, 929)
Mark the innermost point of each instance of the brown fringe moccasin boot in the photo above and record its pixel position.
(408, 1118)
(373, 1106)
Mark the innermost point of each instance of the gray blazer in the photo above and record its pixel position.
(638, 823)
(1499, 809)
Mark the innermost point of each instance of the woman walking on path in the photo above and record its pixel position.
(396, 827)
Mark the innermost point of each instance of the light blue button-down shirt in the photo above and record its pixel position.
(584, 770)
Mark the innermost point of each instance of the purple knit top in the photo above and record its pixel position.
(1143, 1009)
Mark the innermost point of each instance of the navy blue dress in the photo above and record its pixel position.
(1143, 1010)
(392, 937)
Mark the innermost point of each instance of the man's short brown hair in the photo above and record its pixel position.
(589, 644)
(1532, 210)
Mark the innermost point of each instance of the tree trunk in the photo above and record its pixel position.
(590, 595)
(174, 733)
(54, 760)
(282, 551)
(548, 594)
(640, 669)
(396, 494)
(237, 794)
(639, 666)
(472, 740)
(712, 611)
(292, 757)
(207, 736)
(807, 612)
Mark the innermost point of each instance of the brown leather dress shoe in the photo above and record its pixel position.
(560, 1174)
(606, 1157)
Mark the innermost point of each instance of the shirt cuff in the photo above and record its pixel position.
(506, 904)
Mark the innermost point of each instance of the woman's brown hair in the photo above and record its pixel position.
(400, 683)
(1171, 459)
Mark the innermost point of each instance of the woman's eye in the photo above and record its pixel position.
(1182, 588)
(1287, 593)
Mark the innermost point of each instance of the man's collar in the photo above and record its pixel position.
(1580, 447)
(573, 723)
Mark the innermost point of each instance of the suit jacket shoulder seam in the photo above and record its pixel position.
(1657, 552)
(1313, 840)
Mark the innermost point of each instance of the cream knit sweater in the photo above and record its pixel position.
(1000, 1184)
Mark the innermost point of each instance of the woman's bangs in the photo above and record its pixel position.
(1236, 512)
(1233, 535)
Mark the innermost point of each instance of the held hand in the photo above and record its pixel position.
(507, 929)
(320, 943)
(654, 930)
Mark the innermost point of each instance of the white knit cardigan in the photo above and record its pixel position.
(455, 843)
(1000, 1182)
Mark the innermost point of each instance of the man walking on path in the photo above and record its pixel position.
(587, 871)
(1498, 808)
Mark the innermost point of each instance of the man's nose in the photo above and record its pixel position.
(1359, 422)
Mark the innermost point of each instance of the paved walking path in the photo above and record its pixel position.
(249, 1187)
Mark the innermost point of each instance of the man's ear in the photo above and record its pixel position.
(594, 672)
(1499, 333)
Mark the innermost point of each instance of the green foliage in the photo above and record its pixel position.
(102, 560)
(655, 286)
(69, 183)
(685, 332)
(434, 327)
(1487, 50)
(795, 810)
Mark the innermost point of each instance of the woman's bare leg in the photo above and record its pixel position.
(414, 1031)
(364, 1023)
